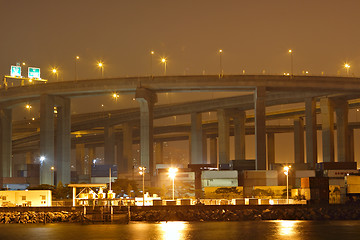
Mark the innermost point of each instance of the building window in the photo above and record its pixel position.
(24, 198)
(3, 198)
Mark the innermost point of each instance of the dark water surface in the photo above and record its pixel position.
(253, 230)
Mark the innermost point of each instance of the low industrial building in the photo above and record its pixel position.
(26, 198)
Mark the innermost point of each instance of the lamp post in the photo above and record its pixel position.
(151, 62)
(76, 60)
(115, 96)
(142, 172)
(286, 172)
(42, 159)
(56, 73)
(172, 174)
(291, 62)
(28, 107)
(221, 67)
(347, 67)
(52, 174)
(163, 60)
(101, 66)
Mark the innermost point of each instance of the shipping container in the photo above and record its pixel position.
(260, 182)
(304, 173)
(352, 179)
(339, 173)
(353, 189)
(260, 174)
(336, 165)
(238, 201)
(305, 183)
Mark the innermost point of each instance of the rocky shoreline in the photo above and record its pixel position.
(39, 217)
(246, 214)
(186, 213)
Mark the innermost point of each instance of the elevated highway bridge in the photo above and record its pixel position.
(237, 116)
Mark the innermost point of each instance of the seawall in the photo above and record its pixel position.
(243, 213)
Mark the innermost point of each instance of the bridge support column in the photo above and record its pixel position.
(121, 168)
(109, 145)
(204, 147)
(63, 141)
(29, 156)
(342, 112)
(80, 163)
(351, 145)
(311, 132)
(146, 99)
(260, 128)
(159, 149)
(196, 139)
(92, 156)
(127, 157)
(213, 151)
(5, 144)
(299, 140)
(270, 149)
(224, 136)
(239, 118)
(327, 117)
(46, 139)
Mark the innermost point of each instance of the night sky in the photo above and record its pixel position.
(255, 37)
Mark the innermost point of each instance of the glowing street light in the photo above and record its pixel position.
(76, 60)
(221, 67)
(56, 73)
(28, 107)
(291, 62)
(286, 172)
(101, 66)
(347, 67)
(42, 159)
(151, 62)
(142, 172)
(115, 96)
(172, 174)
(52, 168)
(164, 61)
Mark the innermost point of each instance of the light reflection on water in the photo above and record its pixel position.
(274, 230)
(287, 228)
(173, 230)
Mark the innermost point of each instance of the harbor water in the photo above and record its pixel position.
(185, 230)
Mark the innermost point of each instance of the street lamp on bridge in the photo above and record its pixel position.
(151, 63)
(221, 67)
(101, 66)
(76, 60)
(347, 67)
(291, 62)
(164, 61)
(56, 73)
(115, 96)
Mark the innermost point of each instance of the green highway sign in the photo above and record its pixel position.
(15, 71)
(33, 72)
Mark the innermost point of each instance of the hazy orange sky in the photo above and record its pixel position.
(255, 36)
